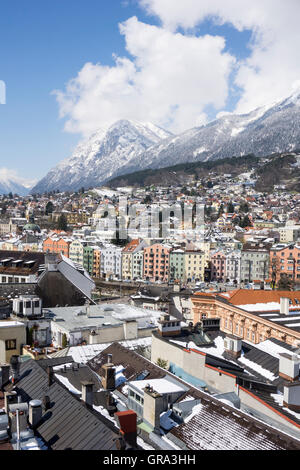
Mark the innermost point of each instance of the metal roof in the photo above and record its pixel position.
(68, 424)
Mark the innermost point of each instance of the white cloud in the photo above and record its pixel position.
(273, 67)
(169, 80)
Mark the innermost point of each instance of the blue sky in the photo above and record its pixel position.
(45, 44)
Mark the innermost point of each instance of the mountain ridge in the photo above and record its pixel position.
(129, 146)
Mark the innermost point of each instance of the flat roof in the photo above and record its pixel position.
(9, 324)
(104, 316)
(159, 385)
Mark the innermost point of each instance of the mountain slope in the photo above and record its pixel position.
(264, 131)
(107, 153)
(128, 146)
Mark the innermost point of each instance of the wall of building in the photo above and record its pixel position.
(17, 333)
(261, 410)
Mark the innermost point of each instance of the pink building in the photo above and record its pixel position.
(218, 265)
(156, 262)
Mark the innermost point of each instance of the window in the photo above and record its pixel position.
(10, 344)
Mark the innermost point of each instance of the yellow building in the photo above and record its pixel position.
(12, 339)
(194, 265)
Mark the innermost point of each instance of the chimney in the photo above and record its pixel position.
(153, 407)
(108, 379)
(127, 421)
(15, 411)
(87, 393)
(9, 399)
(35, 412)
(15, 368)
(46, 402)
(233, 346)
(284, 306)
(4, 374)
(289, 366)
(50, 375)
(291, 396)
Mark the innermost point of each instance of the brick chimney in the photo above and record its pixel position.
(289, 366)
(127, 421)
(87, 393)
(108, 379)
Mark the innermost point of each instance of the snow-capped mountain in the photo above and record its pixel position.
(107, 153)
(12, 184)
(266, 130)
(128, 146)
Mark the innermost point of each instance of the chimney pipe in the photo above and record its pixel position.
(50, 375)
(46, 402)
(15, 368)
(35, 412)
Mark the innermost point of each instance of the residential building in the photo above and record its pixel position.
(156, 262)
(128, 251)
(12, 338)
(194, 266)
(111, 262)
(285, 259)
(255, 261)
(57, 245)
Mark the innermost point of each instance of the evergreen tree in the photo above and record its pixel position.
(49, 208)
(62, 223)
(64, 341)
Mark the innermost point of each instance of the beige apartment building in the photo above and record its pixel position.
(12, 338)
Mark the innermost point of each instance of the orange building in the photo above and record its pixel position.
(97, 263)
(156, 262)
(285, 260)
(56, 245)
(253, 315)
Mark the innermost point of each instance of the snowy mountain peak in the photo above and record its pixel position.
(127, 146)
(106, 153)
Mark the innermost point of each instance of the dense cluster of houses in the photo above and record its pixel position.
(202, 353)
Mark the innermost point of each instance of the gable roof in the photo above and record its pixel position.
(216, 425)
(68, 424)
